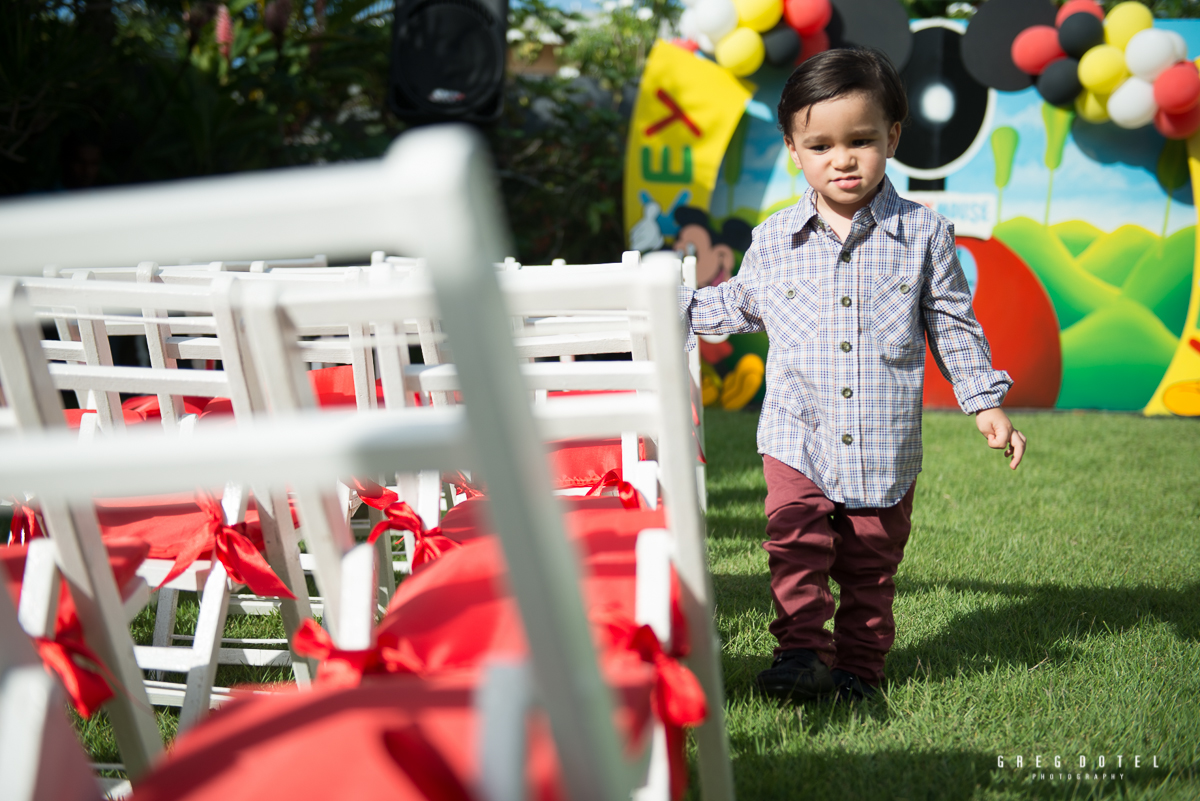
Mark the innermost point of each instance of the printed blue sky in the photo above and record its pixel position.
(1106, 195)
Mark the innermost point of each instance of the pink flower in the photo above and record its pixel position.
(224, 30)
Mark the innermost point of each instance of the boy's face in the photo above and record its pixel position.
(843, 148)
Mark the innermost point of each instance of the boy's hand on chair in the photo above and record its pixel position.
(995, 425)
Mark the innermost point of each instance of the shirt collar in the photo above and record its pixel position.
(884, 208)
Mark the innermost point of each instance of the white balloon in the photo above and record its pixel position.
(1132, 104)
(687, 25)
(690, 3)
(1180, 45)
(706, 44)
(715, 18)
(1150, 52)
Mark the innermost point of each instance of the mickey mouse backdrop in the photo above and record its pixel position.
(1062, 142)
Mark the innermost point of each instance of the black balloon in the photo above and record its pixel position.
(987, 44)
(1059, 83)
(1079, 33)
(782, 44)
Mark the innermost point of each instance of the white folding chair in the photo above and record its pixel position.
(89, 306)
(433, 195)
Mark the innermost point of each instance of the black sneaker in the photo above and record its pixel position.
(850, 687)
(796, 675)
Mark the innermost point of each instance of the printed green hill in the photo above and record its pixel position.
(1111, 258)
(1074, 292)
(1114, 358)
(1076, 235)
(1162, 279)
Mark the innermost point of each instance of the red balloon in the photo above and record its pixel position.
(811, 45)
(686, 44)
(807, 16)
(1178, 88)
(1075, 6)
(1035, 48)
(1178, 126)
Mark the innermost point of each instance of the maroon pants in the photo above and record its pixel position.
(813, 539)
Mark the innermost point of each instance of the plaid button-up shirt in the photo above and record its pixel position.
(847, 323)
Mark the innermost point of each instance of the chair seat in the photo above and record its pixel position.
(74, 417)
(394, 737)
(581, 463)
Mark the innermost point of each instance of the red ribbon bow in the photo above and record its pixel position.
(85, 685)
(346, 668)
(26, 524)
(430, 543)
(231, 546)
(678, 697)
(625, 490)
(374, 495)
(462, 484)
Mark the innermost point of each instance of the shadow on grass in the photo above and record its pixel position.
(1037, 623)
(792, 771)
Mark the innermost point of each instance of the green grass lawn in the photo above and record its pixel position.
(1054, 611)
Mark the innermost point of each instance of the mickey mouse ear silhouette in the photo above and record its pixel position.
(879, 24)
(987, 44)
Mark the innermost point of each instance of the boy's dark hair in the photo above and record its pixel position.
(840, 72)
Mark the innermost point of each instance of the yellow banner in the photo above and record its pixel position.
(686, 112)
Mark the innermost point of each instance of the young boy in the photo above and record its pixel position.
(847, 284)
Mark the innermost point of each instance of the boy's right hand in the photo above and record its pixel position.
(995, 425)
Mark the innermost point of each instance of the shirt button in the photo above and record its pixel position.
(791, 293)
(904, 289)
(846, 347)
(847, 439)
(847, 392)
(846, 301)
(845, 255)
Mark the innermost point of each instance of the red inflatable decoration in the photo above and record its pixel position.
(807, 16)
(1077, 6)
(1178, 88)
(1178, 126)
(1035, 48)
(1020, 324)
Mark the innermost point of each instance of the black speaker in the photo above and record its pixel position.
(448, 60)
(947, 107)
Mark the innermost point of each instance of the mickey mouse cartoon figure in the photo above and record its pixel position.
(731, 383)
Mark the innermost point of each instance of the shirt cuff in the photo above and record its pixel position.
(686, 296)
(984, 391)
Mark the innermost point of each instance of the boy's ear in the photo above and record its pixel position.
(893, 139)
(791, 148)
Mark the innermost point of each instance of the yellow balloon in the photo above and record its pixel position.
(1093, 108)
(1102, 69)
(759, 15)
(741, 52)
(1124, 21)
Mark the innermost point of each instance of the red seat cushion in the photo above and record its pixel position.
(581, 463)
(334, 386)
(395, 738)
(147, 405)
(74, 417)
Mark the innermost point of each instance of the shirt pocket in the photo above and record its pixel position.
(795, 311)
(896, 313)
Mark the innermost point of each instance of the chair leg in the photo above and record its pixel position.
(282, 546)
(385, 576)
(164, 623)
(206, 648)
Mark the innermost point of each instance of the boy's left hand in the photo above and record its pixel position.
(995, 425)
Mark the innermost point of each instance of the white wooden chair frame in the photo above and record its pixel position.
(432, 195)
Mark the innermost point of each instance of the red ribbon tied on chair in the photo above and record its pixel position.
(430, 543)
(625, 490)
(346, 668)
(462, 484)
(231, 546)
(678, 697)
(86, 687)
(26, 524)
(374, 495)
